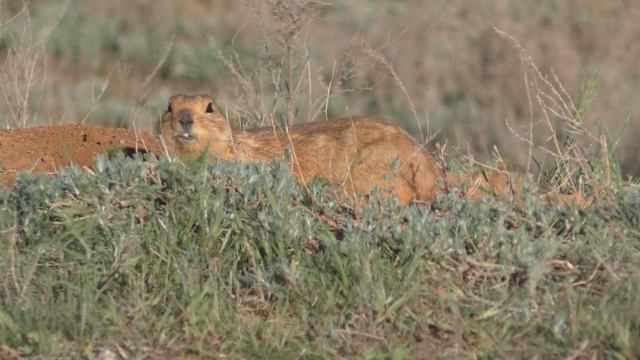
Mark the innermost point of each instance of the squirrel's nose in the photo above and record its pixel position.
(186, 120)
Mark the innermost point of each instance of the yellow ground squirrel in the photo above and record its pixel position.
(359, 153)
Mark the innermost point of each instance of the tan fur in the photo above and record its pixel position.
(356, 152)
(477, 185)
(503, 184)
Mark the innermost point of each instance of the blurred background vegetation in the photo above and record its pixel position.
(439, 68)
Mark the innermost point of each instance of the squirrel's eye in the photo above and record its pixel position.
(169, 109)
(210, 108)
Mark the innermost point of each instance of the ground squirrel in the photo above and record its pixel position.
(359, 153)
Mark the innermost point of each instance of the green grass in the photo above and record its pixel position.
(159, 259)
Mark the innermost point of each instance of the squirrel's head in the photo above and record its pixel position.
(193, 122)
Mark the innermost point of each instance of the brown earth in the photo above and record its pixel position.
(48, 149)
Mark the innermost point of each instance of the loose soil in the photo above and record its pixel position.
(48, 149)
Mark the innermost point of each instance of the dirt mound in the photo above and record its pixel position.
(47, 149)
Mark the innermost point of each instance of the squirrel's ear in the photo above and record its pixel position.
(210, 108)
(169, 109)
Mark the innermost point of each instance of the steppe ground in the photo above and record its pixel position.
(155, 258)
